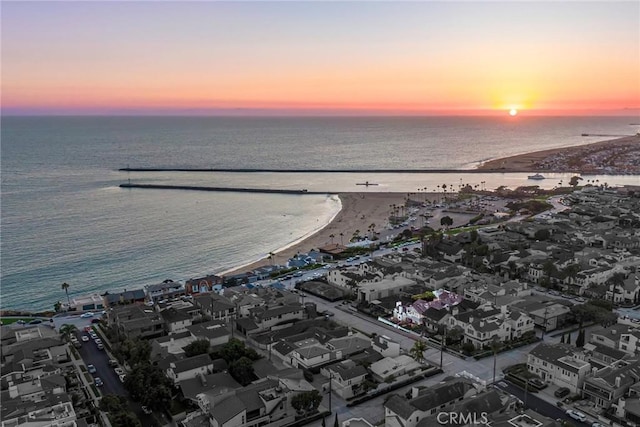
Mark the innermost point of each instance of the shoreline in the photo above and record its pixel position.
(608, 157)
(358, 211)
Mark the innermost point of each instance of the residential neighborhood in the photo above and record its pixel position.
(529, 320)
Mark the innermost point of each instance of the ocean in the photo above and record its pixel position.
(64, 218)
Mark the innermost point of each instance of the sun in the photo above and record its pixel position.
(513, 112)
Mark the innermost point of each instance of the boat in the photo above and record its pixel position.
(537, 177)
(367, 183)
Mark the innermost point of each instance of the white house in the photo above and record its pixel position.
(558, 364)
(190, 367)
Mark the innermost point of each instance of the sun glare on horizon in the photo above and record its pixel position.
(513, 112)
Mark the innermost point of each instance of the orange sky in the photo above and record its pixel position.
(467, 58)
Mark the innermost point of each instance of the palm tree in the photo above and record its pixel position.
(271, 256)
(65, 287)
(495, 347)
(67, 330)
(417, 351)
(332, 236)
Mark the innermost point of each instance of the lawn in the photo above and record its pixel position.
(10, 320)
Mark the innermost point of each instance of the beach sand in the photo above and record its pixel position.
(568, 159)
(359, 211)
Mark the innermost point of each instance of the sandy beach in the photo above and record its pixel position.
(615, 156)
(359, 211)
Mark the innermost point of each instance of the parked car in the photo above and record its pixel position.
(85, 338)
(21, 322)
(119, 371)
(100, 347)
(537, 383)
(122, 377)
(579, 416)
(113, 363)
(562, 392)
(98, 382)
(98, 341)
(86, 315)
(35, 322)
(146, 410)
(91, 369)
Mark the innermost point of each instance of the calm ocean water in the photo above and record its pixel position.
(64, 219)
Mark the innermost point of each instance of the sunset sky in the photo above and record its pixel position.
(320, 57)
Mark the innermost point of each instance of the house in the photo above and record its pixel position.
(625, 293)
(216, 384)
(346, 378)
(135, 321)
(136, 296)
(205, 284)
(175, 320)
(548, 315)
(190, 367)
(369, 292)
(485, 324)
(51, 410)
(385, 346)
(215, 306)
(214, 331)
(630, 341)
(608, 337)
(401, 412)
(265, 317)
(265, 402)
(173, 344)
(311, 357)
(415, 312)
(86, 303)
(165, 291)
(609, 384)
(392, 367)
(558, 364)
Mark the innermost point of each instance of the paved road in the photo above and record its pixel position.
(532, 401)
(112, 384)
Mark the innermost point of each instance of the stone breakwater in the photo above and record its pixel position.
(220, 189)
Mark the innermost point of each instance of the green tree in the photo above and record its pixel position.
(118, 411)
(148, 385)
(549, 268)
(57, 306)
(571, 272)
(197, 347)
(454, 335)
(234, 350)
(580, 339)
(306, 402)
(417, 351)
(574, 181)
(542, 234)
(134, 351)
(67, 330)
(65, 287)
(242, 371)
(446, 221)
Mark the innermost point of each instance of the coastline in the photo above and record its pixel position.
(613, 156)
(358, 211)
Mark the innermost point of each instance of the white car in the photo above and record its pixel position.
(86, 315)
(85, 338)
(579, 416)
(119, 371)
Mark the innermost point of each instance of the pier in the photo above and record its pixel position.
(221, 189)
